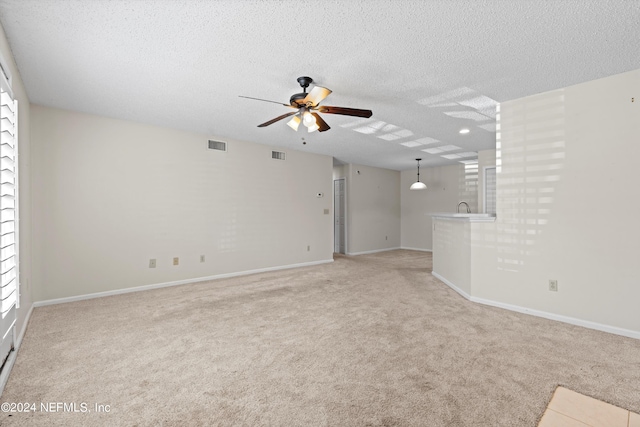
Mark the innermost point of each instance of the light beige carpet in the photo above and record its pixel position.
(371, 340)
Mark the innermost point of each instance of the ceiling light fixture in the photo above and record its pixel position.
(418, 185)
(464, 131)
(306, 118)
(294, 122)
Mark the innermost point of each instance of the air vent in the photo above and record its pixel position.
(217, 145)
(278, 155)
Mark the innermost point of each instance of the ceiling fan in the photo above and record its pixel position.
(307, 106)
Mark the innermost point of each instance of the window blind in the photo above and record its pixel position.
(8, 241)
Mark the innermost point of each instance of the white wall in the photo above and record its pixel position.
(446, 187)
(567, 205)
(109, 195)
(24, 167)
(373, 209)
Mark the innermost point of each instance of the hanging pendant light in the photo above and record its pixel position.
(418, 185)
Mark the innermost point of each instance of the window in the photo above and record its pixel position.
(490, 189)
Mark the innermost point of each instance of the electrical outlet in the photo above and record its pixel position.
(176, 261)
(152, 263)
(308, 248)
(386, 237)
(201, 258)
(553, 285)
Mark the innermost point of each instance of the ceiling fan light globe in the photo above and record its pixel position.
(418, 186)
(294, 123)
(308, 120)
(314, 127)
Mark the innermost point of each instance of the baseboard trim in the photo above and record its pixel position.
(375, 251)
(174, 283)
(24, 327)
(560, 318)
(416, 249)
(451, 285)
(544, 314)
(4, 376)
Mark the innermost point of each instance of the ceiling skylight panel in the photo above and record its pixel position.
(449, 148)
(403, 133)
(411, 144)
(426, 140)
(367, 130)
(479, 103)
(389, 137)
(389, 128)
(470, 115)
(467, 154)
(432, 150)
(372, 127)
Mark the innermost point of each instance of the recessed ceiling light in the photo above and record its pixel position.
(464, 131)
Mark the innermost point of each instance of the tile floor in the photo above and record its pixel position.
(570, 409)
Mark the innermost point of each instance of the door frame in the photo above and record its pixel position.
(333, 203)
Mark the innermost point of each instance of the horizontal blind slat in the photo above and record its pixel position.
(7, 277)
(7, 176)
(6, 113)
(7, 264)
(6, 100)
(7, 239)
(8, 289)
(7, 150)
(7, 138)
(8, 303)
(7, 126)
(7, 215)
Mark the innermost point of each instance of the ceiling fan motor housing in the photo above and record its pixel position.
(296, 99)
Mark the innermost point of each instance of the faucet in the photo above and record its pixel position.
(458, 209)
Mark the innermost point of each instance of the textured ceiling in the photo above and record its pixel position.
(425, 68)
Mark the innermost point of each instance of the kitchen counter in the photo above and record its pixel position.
(453, 248)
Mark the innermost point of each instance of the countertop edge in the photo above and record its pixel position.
(457, 217)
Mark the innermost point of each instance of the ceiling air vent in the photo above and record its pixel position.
(278, 155)
(217, 145)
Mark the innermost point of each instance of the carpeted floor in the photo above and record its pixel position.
(372, 340)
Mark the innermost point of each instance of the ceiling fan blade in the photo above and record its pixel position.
(322, 125)
(266, 100)
(317, 94)
(272, 121)
(345, 111)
